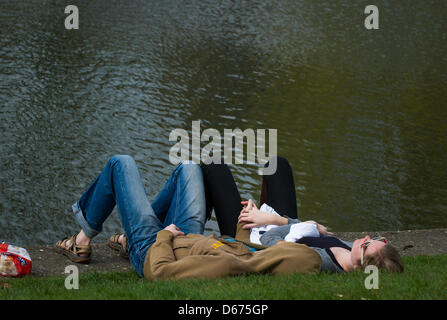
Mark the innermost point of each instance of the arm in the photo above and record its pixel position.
(253, 217)
(300, 230)
(293, 232)
(274, 235)
(163, 264)
(291, 221)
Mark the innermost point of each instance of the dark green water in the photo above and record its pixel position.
(361, 114)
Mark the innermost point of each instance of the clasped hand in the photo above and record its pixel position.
(175, 230)
(253, 217)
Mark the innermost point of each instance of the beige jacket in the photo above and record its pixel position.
(198, 256)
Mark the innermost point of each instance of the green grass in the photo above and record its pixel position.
(425, 277)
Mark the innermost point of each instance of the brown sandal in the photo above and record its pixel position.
(116, 245)
(74, 252)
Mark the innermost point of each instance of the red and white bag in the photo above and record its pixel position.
(14, 261)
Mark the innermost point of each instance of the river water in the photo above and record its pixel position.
(360, 114)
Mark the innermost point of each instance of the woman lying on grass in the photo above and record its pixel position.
(337, 255)
(269, 228)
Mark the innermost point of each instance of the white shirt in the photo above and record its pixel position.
(257, 232)
(297, 230)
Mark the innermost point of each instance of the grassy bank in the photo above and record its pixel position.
(424, 278)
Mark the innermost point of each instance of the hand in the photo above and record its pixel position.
(321, 229)
(175, 230)
(253, 216)
(248, 205)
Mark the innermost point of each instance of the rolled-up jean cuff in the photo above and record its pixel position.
(79, 216)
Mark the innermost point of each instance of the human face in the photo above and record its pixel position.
(370, 249)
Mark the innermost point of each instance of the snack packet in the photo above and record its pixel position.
(14, 261)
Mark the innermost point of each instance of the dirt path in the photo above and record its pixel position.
(411, 243)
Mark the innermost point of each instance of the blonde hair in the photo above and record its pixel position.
(387, 258)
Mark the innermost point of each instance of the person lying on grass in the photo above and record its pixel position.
(265, 227)
(163, 239)
(268, 228)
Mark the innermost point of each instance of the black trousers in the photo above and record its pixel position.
(222, 195)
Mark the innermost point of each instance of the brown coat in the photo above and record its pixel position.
(198, 256)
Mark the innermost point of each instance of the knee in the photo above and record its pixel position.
(189, 169)
(280, 161)
(277, 164)
(215, 167)
(121, 160)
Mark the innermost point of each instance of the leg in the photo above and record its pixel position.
(182, 199)
(120, 184)
(222, 195)
(278, 190)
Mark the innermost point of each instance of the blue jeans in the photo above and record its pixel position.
(181, 202)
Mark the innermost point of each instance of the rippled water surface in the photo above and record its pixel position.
(361, 115)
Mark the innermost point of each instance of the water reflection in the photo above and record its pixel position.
(360, 115)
